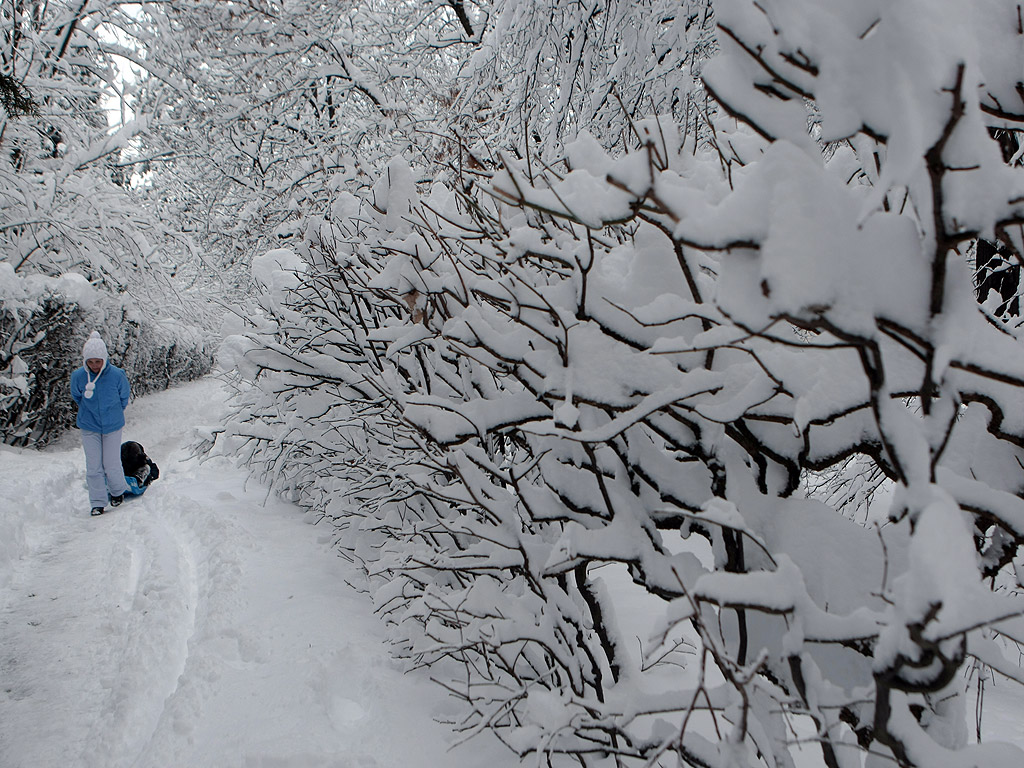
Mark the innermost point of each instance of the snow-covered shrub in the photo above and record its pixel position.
(351, 344)
(319, 424)
(37, 356)
(157, 352)
(43, 323)
(604, 386)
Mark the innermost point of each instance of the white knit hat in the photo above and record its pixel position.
(94, 348)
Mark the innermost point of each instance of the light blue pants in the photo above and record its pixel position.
(103, 471)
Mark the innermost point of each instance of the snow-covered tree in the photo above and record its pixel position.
(571, 425)
(63, 204)
(547, 70)
(69, 218)
(264, 111)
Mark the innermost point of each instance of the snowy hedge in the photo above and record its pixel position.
(36, 332)
(43, 325)
(600, 433)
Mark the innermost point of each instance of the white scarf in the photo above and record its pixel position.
(91, 383)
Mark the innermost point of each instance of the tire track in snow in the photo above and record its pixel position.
(214, 643)
(143, 573)
(158, 592)
(175, 575)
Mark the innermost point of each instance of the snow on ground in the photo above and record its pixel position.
(205, 625)
(202, 624)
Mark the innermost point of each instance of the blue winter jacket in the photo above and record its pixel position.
(104, 411)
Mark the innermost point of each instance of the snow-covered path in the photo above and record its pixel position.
(199, 625)
(205, 625)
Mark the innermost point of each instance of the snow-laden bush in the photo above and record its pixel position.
(44, 322)
(37, 354)
(543, 415)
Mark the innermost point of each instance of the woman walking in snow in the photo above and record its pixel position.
(101, 391)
